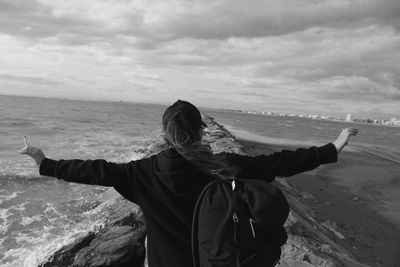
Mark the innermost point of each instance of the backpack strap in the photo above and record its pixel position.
(195, 220)
(195, 223)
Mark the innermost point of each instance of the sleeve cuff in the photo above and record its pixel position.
(327, 153)
(48, 167)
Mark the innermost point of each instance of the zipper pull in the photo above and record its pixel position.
(235, 217)
(251, 221)
(235, 222)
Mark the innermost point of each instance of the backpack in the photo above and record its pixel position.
(239, 223)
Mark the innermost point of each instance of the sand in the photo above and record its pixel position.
(355, 196)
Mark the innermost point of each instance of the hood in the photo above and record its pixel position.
(178, 174)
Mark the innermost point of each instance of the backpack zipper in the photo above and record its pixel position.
(252, 222)
(235, 221)
(235, 217)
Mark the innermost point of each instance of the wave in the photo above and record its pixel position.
(45, 244)
(247, 135)
(317, 127)
(110, 145)
(34, 223)
(15, 178)
(16, 124)
(379, 152)
(80, 120)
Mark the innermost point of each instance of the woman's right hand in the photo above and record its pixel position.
(34, 152)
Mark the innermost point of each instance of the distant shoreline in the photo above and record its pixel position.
(165, 104)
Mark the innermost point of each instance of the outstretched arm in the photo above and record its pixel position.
(99, 172)
(288, 162)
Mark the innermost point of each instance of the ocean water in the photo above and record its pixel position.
(39, 214)
(304, 131)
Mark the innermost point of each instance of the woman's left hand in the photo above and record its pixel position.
(343, 138)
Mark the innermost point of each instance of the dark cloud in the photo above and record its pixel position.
(155, 22)
(226, 19)
(33, 20)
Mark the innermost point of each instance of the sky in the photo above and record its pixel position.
(328, 57)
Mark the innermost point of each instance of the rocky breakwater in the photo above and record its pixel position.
(121, 241)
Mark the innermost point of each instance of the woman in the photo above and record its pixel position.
(166, 185)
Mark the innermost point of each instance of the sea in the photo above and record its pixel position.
(38, 214)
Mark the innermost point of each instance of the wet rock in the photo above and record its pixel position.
(119, 243)
(65, 256)
(331, 226)
(308, 196)
(116, 246)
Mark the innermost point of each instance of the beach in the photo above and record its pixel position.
(371, 238)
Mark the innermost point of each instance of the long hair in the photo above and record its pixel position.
(188, 143)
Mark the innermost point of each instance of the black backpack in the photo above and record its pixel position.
(239, 223)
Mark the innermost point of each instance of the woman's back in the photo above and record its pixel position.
(167, 187)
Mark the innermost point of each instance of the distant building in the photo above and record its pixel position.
(394, 121)
(349, 117)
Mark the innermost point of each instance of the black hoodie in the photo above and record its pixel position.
(166, 187)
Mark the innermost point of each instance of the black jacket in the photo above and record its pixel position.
(166, 186)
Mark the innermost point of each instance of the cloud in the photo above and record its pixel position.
(357, 89)
(362, 60)
(31, 80)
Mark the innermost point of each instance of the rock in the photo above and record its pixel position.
(65, 256)
(116, 246)
(306, 195)
(331, 226)
(119, 243)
